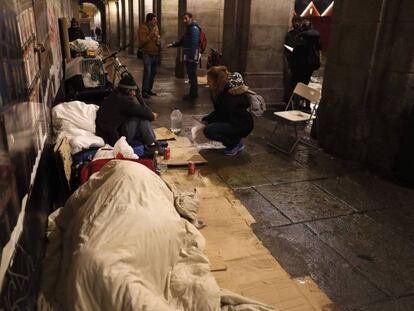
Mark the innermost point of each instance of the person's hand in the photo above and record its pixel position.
(155, 115)
(169, 45)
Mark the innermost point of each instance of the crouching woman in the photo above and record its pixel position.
(230, 121)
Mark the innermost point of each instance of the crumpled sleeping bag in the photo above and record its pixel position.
(119, 244)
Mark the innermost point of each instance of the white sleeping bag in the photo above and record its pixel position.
(119, 244)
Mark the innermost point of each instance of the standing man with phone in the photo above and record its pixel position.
(149, 42)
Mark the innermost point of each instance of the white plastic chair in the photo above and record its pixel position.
(296, 117)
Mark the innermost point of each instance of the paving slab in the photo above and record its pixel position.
(280, 168)
(303, 201)
(401, 304)
(301, 253)
(364, 191)
(378, 253)
(398, 219)
(238, 171)
(265, 214)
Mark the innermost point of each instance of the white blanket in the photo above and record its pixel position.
(119, 244)
(76, 121)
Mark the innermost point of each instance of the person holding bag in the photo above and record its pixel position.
(149, 46)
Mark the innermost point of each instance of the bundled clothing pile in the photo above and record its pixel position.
(83, 45)
(119, 244)
(76, 121)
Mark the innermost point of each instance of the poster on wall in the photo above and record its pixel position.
(12, 70)
(23, 127)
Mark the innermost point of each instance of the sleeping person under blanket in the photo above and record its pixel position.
(124, 113)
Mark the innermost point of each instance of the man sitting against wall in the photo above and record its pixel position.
(124, 113)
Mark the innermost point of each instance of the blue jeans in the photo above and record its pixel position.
(192, 76)
(223, 132)
(138, 131)
(150, 70)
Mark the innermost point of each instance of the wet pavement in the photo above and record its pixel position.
(351, 231)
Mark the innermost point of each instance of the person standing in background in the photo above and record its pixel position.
(190, 43)
(291, 41)
(306, 55)
(74, 31)
(149, 42)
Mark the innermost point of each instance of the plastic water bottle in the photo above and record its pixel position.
(176, 121)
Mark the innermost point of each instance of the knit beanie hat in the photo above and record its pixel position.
(128, 82)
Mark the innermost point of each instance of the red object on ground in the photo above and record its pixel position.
(88, 169)
(191, 168)
(167, 153)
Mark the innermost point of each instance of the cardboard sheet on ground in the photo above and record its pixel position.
(239, 260)
(162, 133)
(183, 152)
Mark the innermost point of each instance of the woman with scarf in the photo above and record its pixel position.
(230, 121)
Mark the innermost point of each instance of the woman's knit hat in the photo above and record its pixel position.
(235, 79)
(236, 84)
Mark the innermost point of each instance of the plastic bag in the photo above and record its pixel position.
(123, 150)
(197, 135)
(106, 152)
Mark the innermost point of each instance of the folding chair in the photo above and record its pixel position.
(296, 117)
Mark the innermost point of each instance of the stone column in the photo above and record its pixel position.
(141, 11)
(269, 22)
(253, 38)
(136, 19)
(123, 23)
(113, 24)
(179, 62)
(236, 27)
(169, 32)
(132, 21)
(368, 91)
(127, 13)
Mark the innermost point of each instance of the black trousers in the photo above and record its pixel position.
(223, 132)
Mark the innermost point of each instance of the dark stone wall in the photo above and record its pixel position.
(369, 81)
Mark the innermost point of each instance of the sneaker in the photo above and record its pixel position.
(151, 93)
(145, 95)
(235, 150)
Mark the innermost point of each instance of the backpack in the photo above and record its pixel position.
(257, 103)
(203, 41)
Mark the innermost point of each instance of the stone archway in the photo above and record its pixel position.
(100, 4)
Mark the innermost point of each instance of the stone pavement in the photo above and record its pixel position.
(352, 232)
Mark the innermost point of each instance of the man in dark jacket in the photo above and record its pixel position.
(291, 41)
(74, 31)
(306, 55)
(190, 43)
(124, 113)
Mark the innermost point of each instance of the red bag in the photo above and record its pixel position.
(203, 41)
(88, 169)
